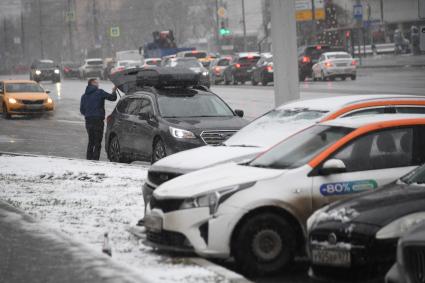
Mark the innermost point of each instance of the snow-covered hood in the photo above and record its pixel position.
(201, 157)
(268, 133)
(213, 179)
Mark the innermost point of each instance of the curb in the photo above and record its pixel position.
(70, 257)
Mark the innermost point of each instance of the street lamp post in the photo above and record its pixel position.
(40, 21)
(244, 26)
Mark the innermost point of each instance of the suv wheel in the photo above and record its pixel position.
(234, 81)
(158, 151)
(265, 244)
(264, 81)
(114, 150)
(226, 80)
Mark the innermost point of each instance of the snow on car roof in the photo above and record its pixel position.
(336, 52)
(364, 120)
(337, 102)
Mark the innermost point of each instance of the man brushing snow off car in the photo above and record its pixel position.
(256, 212)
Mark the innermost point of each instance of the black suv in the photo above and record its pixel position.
(165, 111)
(240, 67)
(262, 72)
(45, 70)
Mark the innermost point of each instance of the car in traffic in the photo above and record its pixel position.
(256, 211)
(70, 69)
(410, 256)
(262, 72)
(198, 54)
(45, 70)
(152, 122)
(23, 97)
(238, 70)
(358, 237)
(333, 65)
(152, 62)
(192, 64)
(92, 68)
(217, 68)
(273, 127)
(308, 56)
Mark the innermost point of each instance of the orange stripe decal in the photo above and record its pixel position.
(350, 108)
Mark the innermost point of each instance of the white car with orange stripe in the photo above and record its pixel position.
(270, 129)
(256, 212)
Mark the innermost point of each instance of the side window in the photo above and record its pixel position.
(146, 106)
(122, 105)
(379, 150)
(410, 109)
(370, 111)
(134, 106)
(1, 88)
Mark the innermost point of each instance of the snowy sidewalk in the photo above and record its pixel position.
(31, 252)
(85, 199)
(393, 61)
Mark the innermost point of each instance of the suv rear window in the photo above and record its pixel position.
(197, 55)
(315, 51)
(249, 60)
(99, 62)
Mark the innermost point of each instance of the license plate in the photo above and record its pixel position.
(331, 257)
(153, 223)
(34, 107)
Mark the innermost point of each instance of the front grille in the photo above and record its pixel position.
(168, 238)
(157, 178)
(25, 101)
(166, 205)
(216, 137)
(415, 263)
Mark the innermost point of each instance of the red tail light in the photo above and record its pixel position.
(269, 68)
(318, 47)
(217, 69)
(66, 70)
(306, 59)
(109, 119)
(354, 63)
(238, 65)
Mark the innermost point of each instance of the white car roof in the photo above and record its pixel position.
(336, 53)
(360, 121)
(94, 59)
(337, 102)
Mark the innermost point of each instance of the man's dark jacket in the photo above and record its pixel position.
(93, 102)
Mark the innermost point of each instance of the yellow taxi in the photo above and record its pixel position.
(24, 97)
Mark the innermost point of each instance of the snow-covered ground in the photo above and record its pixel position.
(85, 199)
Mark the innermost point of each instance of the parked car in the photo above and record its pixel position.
(70, 69)
(256, 211)
(238, 70)
(151, 123)
(358, 237)
(193, 65)
(217, 68)
(152, 62)
(45, 70)
(333, 65)
(23, 97)
(262, 72)
(273, 127)
(91, 68)
(410, 255)
(308, 56)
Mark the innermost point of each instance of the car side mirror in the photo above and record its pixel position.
(47, 91)
(332, 166)
(239, 112)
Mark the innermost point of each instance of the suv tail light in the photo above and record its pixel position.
(269, 68)
(306, 59)
(238, 65)
(354, 63)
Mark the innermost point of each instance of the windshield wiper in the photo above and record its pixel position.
(243, 145)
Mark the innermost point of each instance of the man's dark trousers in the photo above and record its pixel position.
(94, 127)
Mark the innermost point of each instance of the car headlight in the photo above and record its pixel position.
(12, 100)
(37, 72)
(213, 199)
(49, 100)
(181, 134)
(400, 226)
(205, 73)
(314, 217)
(56, 71)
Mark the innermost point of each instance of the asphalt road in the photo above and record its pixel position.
(63, 133)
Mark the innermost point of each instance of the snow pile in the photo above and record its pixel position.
(84, 200)
(343, 215)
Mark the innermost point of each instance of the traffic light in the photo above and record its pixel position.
(223, 29)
